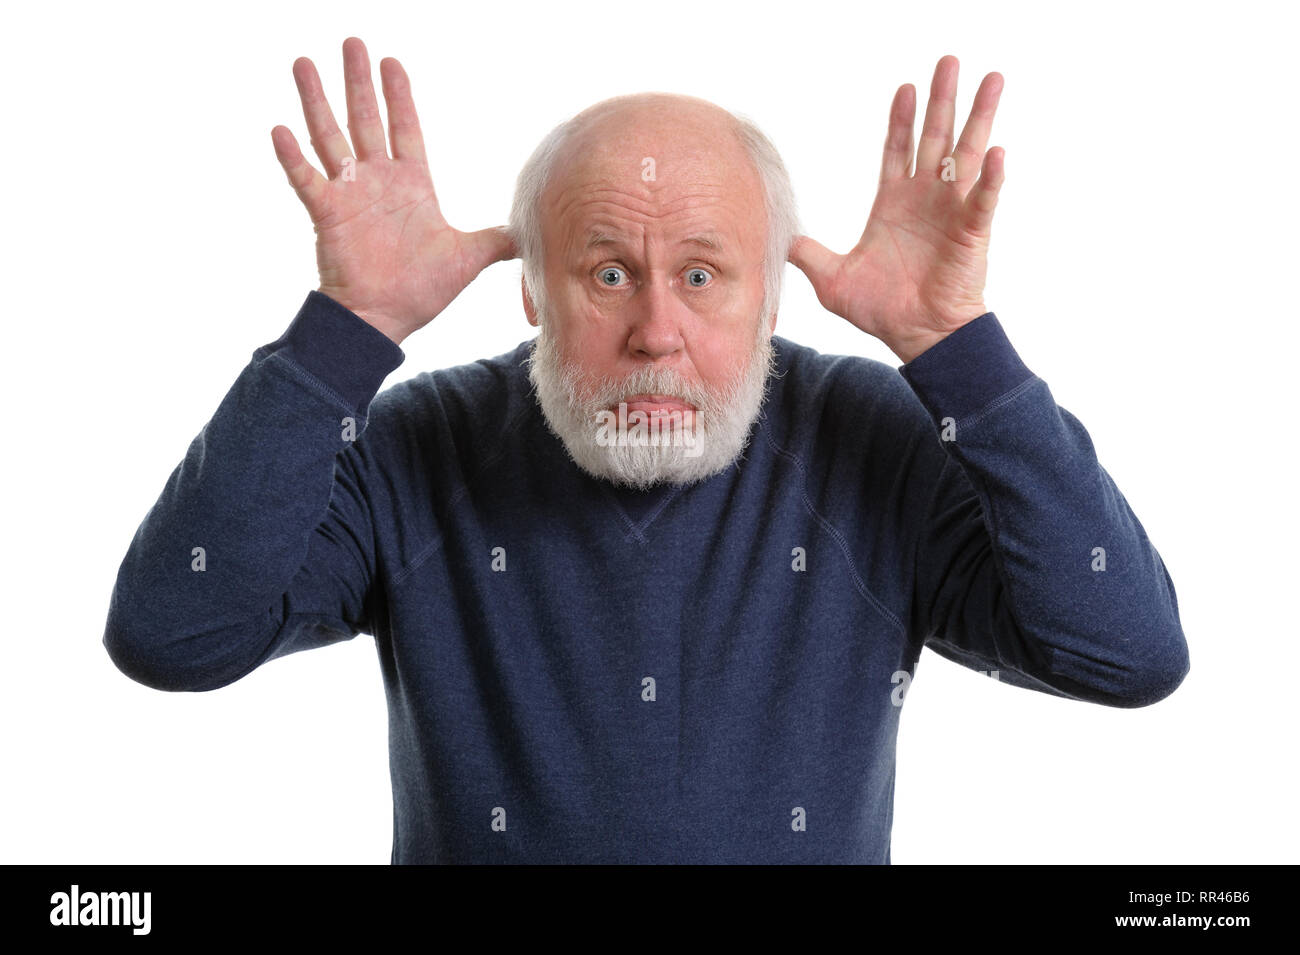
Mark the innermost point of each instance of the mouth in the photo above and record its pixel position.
(653, 405)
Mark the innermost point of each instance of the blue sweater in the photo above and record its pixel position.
(581, 673)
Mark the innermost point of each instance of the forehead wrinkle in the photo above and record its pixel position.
(711, 224)
(602, 234)
(708, 239)
(700, 201)
(651, 207)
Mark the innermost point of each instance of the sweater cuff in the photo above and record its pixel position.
(963, 373)
(340, 348)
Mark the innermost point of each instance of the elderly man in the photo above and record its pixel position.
(652, 586)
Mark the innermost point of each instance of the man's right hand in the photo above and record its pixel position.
(382, 246)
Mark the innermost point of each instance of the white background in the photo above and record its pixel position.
(1143, 263)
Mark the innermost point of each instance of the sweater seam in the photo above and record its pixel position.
(997, 403)
(631, 530)
(313, 382)
(635, 530)
(428, 550)
(992, 523)
(654, 514)
(830, 528)
(988, 508)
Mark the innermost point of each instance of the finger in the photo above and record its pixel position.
(936, 134)
(969, 152)
(363, 109)
(403, 124)
(983, 198)
(815, 261)
(306, 181)
(326, 137)
(899, 145)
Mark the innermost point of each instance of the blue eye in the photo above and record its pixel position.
(698, 278)
(609, 276)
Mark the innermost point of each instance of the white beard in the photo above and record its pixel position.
(573, 402)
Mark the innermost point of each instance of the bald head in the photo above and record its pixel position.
(654, 119)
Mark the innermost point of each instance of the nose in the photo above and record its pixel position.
(657, 315)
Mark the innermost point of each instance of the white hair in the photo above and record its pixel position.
(782, 214)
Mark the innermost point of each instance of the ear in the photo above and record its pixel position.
(529, 310)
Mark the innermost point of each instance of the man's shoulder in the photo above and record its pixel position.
(855, 433)
(845, 392)
(479, 390)
(462, 410)
(814, 368)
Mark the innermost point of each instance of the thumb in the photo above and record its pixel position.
(815, 261)
(490, 245)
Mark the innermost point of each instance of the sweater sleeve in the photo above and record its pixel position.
(1031, 562)
(261, 543)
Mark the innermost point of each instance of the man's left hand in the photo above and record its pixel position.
(917, 274)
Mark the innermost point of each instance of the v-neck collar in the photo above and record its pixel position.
(638, 508)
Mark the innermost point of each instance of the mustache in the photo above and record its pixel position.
(587, 395)
(609, 392)
(590, 399)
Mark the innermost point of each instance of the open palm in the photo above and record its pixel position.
(917, 274)
(383, 248)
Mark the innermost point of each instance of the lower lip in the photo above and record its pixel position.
(653, 408)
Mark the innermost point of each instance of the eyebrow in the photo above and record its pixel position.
(709, 240)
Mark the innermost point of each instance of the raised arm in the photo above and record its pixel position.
(261, 542)
(1029, 560)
